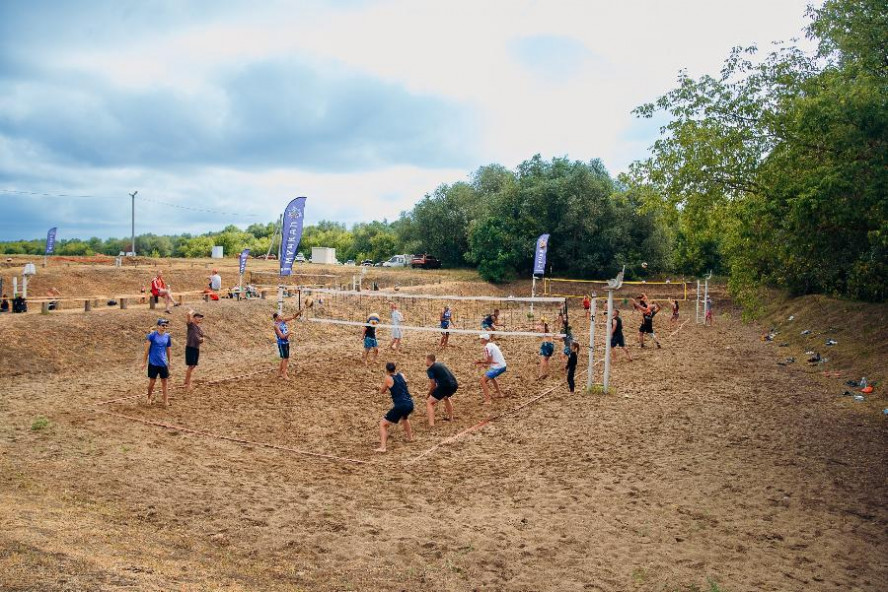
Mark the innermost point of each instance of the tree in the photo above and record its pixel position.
(782, 160)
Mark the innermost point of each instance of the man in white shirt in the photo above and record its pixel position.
(215, 281)
(496, 364)
(397, 319)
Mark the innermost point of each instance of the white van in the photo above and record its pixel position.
(397, 261)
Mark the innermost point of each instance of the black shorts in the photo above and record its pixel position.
(618, 341)
(155, 371)
(192, 354)
(646, 327)
(398, 412)
(444, 391)
(284, 350)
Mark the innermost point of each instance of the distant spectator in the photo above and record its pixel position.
(53, 293)
(159, 290)
(4, 305)
(215, 281)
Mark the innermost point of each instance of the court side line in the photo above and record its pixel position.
(679, 328)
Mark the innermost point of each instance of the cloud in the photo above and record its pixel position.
(362, 105)
(269, 113)
(554, 59)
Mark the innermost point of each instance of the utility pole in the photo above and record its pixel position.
(133, 195)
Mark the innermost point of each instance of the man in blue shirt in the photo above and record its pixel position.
(157, 359)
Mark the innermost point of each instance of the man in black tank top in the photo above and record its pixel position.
(617, 339)
(402, 405)
(442, 385)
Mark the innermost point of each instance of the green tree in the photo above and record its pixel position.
(782, 160)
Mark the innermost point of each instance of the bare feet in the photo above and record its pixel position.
(380, 450)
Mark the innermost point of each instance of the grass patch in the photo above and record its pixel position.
(39, 424)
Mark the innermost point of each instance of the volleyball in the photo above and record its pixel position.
(644, 265)
(309, 302)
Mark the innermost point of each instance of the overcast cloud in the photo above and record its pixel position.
(362, 106)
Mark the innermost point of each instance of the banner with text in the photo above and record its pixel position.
(50, 240)
(243, 260)
(539, 259)
(291, 233)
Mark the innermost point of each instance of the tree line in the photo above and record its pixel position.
(773, 172)
(490, 222)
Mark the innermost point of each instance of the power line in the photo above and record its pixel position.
(36, 193)
(163, 203)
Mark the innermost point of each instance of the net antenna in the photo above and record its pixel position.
(612, 285)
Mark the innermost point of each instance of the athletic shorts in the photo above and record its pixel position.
(396, 334)
(494, 372)
(444, 391)
(284, 350)
(646, 327)
(162, 371)
(192, 354)
(547, 348)
(370, 343)
(399, 412)
(618, 340)
(445, 325)
(566, 350)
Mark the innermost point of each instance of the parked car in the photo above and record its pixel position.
(367, 262)
(350, 262)
(396, 261)
(425, 262)
(269, 256)
(300, 258)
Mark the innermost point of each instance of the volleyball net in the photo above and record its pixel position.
(567, 288)
(528, 317)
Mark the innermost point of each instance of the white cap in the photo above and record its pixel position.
(484, 336)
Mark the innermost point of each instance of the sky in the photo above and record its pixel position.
(220, 112)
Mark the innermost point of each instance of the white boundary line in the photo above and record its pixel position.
(387, 294)
(434, 329)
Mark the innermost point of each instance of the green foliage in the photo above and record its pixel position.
(778, 167)
(40, 423)
(595, 225)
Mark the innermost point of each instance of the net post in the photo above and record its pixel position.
(607, 341)
(697, 305)
(592, 316)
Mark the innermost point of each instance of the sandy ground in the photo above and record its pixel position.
(707, 467)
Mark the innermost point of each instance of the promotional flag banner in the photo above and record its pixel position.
(539, 259)
(50, 240)
(243, 260)
(291, 233)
